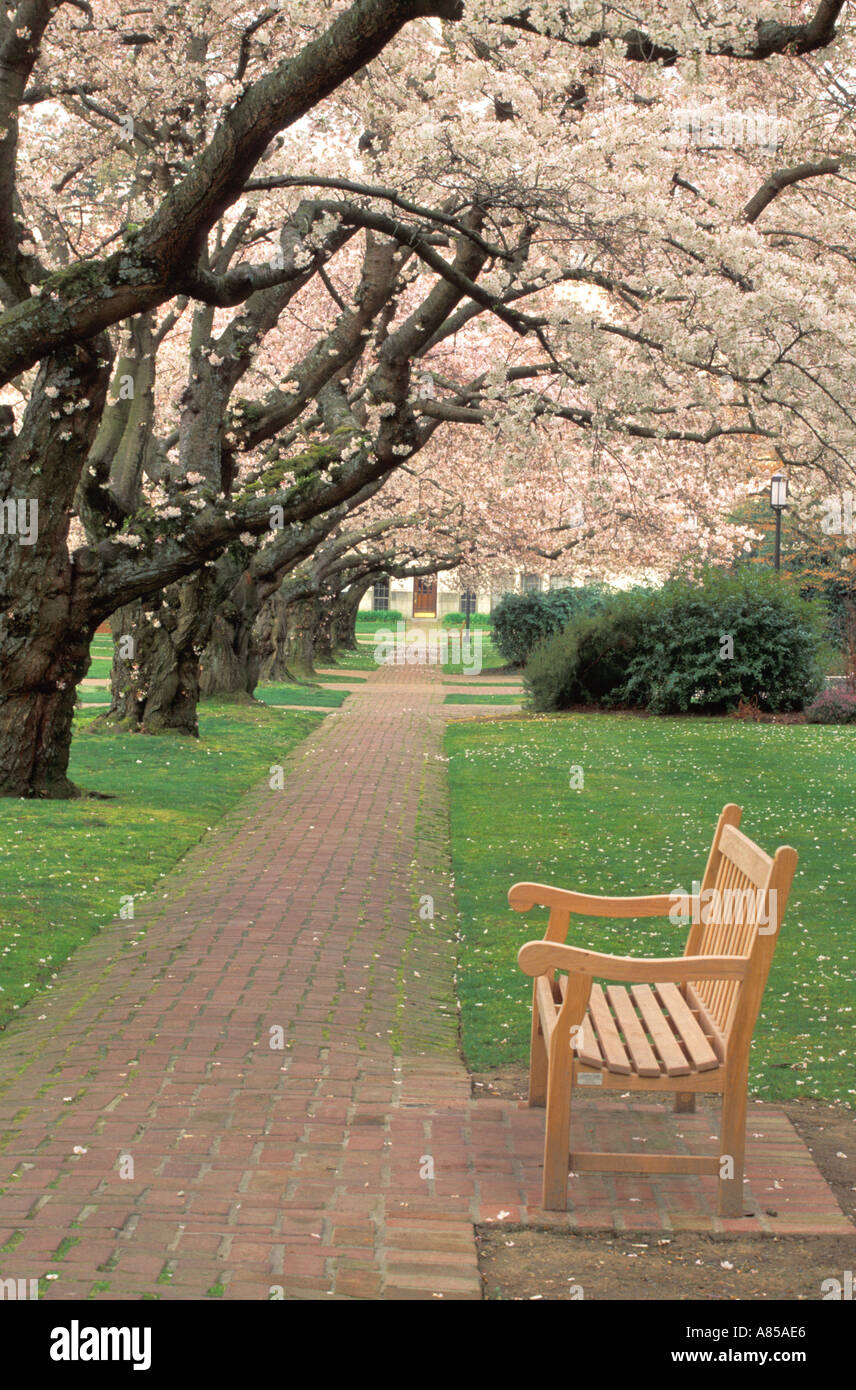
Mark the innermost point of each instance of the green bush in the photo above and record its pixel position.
(590, 658)
(520, 621)
(460, 620)
(375, 616)
(695, 645)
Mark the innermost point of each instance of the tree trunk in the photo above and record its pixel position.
(323, 637)
(230, 664)
(45, 621)
(345, 612)
(37, 699)
(285, 637)
(155, 678)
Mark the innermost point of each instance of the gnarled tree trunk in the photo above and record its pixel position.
(157, 646)
(230, 662)
(324, 637)
(285, 637)
(345, 609)
(46, 624)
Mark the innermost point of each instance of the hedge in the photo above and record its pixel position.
(695, 645)
(460, 620)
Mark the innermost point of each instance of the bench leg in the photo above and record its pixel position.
(684, 1102)
(537, 1059)
(732, 1147)
(557, 1135)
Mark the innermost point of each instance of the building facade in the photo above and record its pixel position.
(433, 596)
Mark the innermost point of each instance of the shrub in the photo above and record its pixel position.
(697, 645)
(837, 705)
(460, 620)
(725, 636)
(378, 616)
(520, 621)
(587, 661)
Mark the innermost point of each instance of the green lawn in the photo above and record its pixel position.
(282, 693)
(363, 660)
(65, 865)
(313, 696)
(511, 697)
(643, 822)
(491, 660)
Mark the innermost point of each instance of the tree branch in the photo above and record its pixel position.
(770, 37)
(786, 178)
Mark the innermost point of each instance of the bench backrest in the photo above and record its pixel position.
(741, 904)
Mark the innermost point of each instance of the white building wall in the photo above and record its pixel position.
(450, 592)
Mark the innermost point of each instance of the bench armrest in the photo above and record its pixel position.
(523, 896)
(538, 957)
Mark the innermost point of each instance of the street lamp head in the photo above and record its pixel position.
(778, 491)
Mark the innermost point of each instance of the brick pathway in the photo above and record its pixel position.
(245, 1092)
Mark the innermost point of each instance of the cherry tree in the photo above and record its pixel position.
(505, 171)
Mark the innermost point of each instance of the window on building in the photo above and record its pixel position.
(468, 601)
(381, 594)
(531, 583)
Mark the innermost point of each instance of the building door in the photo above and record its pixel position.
(425, 596)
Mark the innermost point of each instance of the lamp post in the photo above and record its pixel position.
(778, 502)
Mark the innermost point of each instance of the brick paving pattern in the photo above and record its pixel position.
(245, 1092)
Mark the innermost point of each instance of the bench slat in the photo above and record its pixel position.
(641, 1053)
(662, 1036)
(748, 856)
(588, 1052)
(608, 1037)
(708, 1024)
(701, 1053)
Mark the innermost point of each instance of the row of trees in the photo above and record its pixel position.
(298, 295)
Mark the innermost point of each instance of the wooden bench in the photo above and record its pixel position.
(684, 1025)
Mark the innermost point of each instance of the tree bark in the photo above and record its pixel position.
(155, 684)
(285, 635)
(46, 623)
(345, 616)
(230, 662)
(323, 636)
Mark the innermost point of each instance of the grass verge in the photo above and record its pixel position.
(511, 697)
(313, 696)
